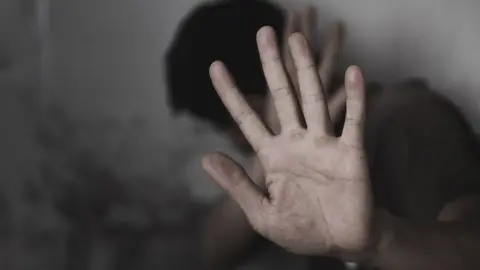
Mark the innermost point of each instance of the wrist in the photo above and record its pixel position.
(381, 235)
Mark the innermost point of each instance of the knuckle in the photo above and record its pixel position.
(307, 65)
(296, 134)
(354, 121)
(243, 116)
(284, 90)
(272, 59)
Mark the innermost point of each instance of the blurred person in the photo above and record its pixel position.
(398, 189)
(226, 30)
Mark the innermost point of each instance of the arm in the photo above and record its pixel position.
(313, 207)
(453, 242)
(228, 223)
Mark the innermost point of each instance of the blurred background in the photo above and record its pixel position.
(97, 174)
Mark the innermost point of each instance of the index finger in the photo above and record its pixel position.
(246, 118)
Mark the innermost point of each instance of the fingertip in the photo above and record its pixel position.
(353, 72)
(220, 166)
(264, 32)
(353, 77)
(221, 77)
(296, 39)
(222, 169)
(266, 35)
(209, 162)
(215, 67)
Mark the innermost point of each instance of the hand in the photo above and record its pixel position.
(318, 198)
(302, 22)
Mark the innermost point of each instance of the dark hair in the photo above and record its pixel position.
(226, 31)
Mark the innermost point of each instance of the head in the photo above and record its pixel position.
(222, 30)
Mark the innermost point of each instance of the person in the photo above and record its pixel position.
(398, 189)
(202, 38)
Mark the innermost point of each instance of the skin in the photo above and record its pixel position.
(227, 233)
(302, 22)
(317, 198)
(298, 180)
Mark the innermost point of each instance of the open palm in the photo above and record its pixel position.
(318, 198)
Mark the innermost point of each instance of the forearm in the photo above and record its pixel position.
(227, 233)
(408, 245)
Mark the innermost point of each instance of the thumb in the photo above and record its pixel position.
(234, 180)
